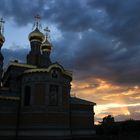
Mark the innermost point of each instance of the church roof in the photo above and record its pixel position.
(13, 63)
(5, 94)
(75, 100)
(9, 98)
(55, 65)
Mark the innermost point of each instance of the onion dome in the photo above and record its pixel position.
(36, 35)
(46, 45)
(2, 39)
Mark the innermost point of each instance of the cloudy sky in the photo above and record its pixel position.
(99, 40)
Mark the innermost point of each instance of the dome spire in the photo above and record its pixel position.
(36, 35)
(37, 23)
(47, 31)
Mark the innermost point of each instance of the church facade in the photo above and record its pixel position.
(35, 98)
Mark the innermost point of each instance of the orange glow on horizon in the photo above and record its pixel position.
(110, 98)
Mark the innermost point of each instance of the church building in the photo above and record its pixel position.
(35, 100)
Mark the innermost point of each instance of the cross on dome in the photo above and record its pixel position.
(37, 22)
(46, 31)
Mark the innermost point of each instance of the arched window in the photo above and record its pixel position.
(54, 74)
(27, 96)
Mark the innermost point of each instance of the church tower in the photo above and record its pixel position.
(35, 37)
(2, 40)
(46, 48)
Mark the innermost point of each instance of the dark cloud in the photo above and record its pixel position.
(133, 115)
(21, 11)
(11, 55)
(66, 14)
(124, 19)
(99, 38)
(96, 55)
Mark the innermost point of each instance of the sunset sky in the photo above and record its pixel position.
(99, 40)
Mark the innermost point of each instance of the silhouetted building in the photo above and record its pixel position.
(35, 96)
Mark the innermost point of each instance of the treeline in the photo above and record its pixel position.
(128, 129)
(119, 127)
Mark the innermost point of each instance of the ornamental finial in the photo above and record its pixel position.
(37, 22)
(2, 25)
(47, 31)
(47, 36)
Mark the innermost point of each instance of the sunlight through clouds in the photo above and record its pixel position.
(111, 99)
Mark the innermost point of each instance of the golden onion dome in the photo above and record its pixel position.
(36, 35)
(2, 39)
(46, 46)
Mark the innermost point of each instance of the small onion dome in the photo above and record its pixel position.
(36, 35)
(46, 46)
(2, 39)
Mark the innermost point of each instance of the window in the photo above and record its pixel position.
(39, 94)
(27, 96)
(53, 97)
(54, 74)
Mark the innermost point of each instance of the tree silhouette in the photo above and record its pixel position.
(108, 120)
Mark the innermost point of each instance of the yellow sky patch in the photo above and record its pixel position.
(110, 98)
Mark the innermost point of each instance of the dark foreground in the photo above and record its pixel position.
(103, 137)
